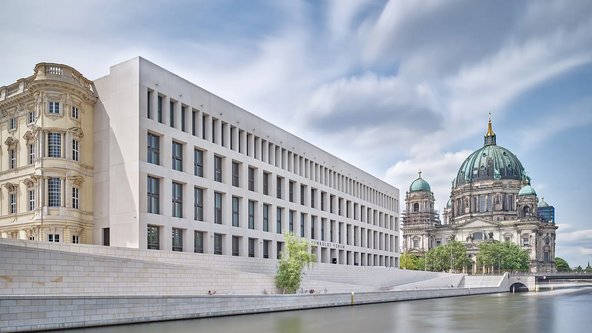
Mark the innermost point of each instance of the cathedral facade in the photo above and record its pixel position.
(491, 199)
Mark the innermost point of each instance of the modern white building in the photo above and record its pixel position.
(178, 168)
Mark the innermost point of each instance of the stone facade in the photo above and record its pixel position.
(491, 199)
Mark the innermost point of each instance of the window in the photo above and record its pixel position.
(149, 104)
(54, 144)
(153, 195)
(12, 199)
(159, 110)
(198, 204)
(251, 179)
(278, 227)
(217, 208)
(75, 150)
(291, 191)
(153, 149)
(252, 247)
(303, 195)
(279, 181)
(75, 239)
(12, 124)
(177, 155)
(218, 168)
(177, 239)
(235, 246)
(172, 114)
(183, 126)
(291, 217)
(53, 238)
(12, 158)
(75, 112)
(177, 199)
(265, 183)
(54, 191)
(323, 221)
(302, 219)
(31, 196)
(235, 211)
(265, 217)
(198, 242)
(235, 174)
(313, 220)
(251, 214)
(75, 197)
(313, 197)
(217, 243)
(30, 117)
(198, 162)
(54, 107)
(279, 246)
(153, 237)
(106, 236)
(31, 157)
(266, 244)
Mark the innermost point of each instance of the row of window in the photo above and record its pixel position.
(52, 108)
(54, 149)
(154, 235)
(229, 136)
(54, 196)
(325, 201)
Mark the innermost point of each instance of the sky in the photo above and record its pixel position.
(391, 87)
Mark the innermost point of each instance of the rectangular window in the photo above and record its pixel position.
(177, 240)
(183, 126)
(279, 182)
(265, 217)
(313, 197)
(218, 168)
(54, 186)
(153, 195)
(278, 227)
(302, 219)
(303, 195)
(75, 198)
(75, 239)
(74, 113)
(75, 150)
(252, 247)
(53, 238)
(12, 199)
(217, 208)
(177, 199)
(235, 211)
(251, 179)
(153, 237)
(291, 217)
(149, 104)
(30, 117)
(153, 149)
(12, 123)
(235, 174)
(106, 236)
(54, 144)
(198, 162)
(54, 107)
(31, 199)
(291, 191)
(251, 214)
(198, 242)
(217, 243)
(198, 204)
(279, 246)
(266, 244)
(235, 246)
(323, 221)
(313, 220)
(172, 114)
(177, 155)
(159, 109)
(12, 158)
(265, 183)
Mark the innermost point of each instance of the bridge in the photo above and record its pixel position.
(531, 281)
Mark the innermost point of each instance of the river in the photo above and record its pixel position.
(567, 310)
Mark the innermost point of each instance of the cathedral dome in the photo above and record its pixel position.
(543, 203)
(489, 162)
(527, 190)
(419, 185)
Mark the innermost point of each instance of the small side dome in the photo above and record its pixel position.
(527, 190)
(449, 204)
(542, 203)
(419, 185)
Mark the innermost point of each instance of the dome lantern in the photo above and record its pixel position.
(490, 135)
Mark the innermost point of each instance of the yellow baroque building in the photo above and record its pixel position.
(46, 158)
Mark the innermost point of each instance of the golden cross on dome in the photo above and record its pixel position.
(489, 127)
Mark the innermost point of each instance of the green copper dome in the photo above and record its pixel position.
(542, 203)
(419, 185)
(527, 190)
(489, 162)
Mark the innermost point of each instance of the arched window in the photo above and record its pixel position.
(416, 207)
(526, 210)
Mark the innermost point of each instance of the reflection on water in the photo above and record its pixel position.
(555, 311)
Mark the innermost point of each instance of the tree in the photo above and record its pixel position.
(294, 258)
(578, 269)
(588, 268)
(561, 265)
(410, 261)
(451, 256)
(503, 255)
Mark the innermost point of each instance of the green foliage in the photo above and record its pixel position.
(588, 268)
(451, 256)
(562, 265)
(502, 255)
(294, 258)
(410, 261)
(578, 269)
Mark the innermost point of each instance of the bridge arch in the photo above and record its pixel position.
(518, 287)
